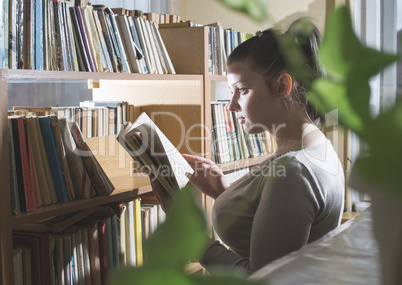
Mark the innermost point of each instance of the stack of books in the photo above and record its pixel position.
(88, 248)
(56, 35)
(50, 162)
(229, 140)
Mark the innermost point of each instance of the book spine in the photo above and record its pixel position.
(15, 201)
(39, 64)
(54, 161)
(18, 164)
(31, 198)
(20, 35)
(83, 62)
(85, 39)
(12, 52)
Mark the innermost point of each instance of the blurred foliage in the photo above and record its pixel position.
(255, 9)
(181, 238)
(349, 66)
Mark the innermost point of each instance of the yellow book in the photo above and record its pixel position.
(138, 232)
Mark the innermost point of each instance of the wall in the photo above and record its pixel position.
(281, 13)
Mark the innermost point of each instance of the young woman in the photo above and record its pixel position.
(295, 196)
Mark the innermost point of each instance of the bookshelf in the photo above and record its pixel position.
(114, 160)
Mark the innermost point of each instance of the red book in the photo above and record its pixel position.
(39, 243)
(104, 264)
(31, 196)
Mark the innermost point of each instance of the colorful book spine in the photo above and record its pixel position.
(53, 158)
(39, 55)
(83, 32)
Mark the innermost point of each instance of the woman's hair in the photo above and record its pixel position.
(267, 57)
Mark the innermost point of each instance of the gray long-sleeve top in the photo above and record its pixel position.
(280, 205)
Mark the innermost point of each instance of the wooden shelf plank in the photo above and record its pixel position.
(140, 182)
(217, 77)
(240, 164)
(21, 74)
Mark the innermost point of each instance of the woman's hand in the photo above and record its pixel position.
(207, 177)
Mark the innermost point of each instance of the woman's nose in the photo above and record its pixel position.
(233, 105)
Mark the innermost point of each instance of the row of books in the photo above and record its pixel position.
(56, 35)
(50, 162)
(221, 42)
(94, 118)
(229, 140)
(151, 16)
(88, 251)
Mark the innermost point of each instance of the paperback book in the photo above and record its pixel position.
(151, 149)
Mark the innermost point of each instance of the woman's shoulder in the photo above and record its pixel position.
(320, 157)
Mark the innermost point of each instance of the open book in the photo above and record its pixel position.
(150, 148)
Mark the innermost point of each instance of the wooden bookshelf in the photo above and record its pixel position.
(150, 93)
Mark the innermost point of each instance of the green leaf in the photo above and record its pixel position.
(183, 235)
(328, 96)
(149, 274)
(383, 165)
(349, 66)
(256, 9)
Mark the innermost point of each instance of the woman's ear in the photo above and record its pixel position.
(284, 85)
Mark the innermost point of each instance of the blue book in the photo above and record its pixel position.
(53, 158)
(39, 35)
(257, 140)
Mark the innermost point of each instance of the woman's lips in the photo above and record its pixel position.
(241, 120)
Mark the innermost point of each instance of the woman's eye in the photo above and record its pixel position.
(242, 90)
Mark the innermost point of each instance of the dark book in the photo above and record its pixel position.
(83, 62)
(39, 243)
(28, 41)
(103, 251)
(20, 34)
(108, 40)
(18, 163)
(28, 170)
(53, 158)
(70, 51)
(84, 36)
(15, 196)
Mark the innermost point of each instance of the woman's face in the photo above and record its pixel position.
(257, 106)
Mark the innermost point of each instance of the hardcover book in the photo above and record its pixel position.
(150, 148)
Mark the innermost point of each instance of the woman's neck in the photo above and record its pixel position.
(298, 136)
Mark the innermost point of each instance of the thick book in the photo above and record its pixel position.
(148, 146)
(99, 179)
(45, 186)
(31, 197)
(79, 175)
